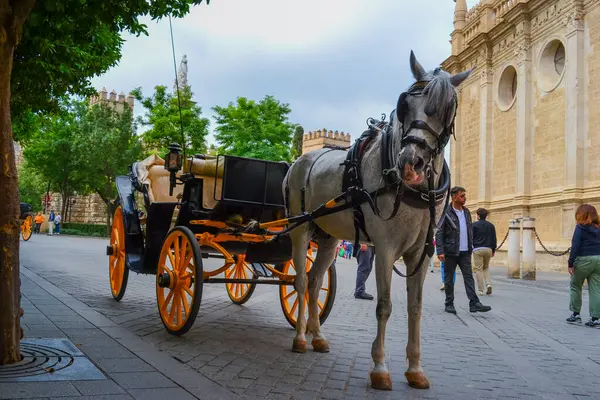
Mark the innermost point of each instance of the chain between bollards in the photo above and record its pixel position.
(555, 254)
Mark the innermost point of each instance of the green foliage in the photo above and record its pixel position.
(164, 119)
(297, 142)
(107, 145)
(31, 186)
(69, 228)
(65, 43)
(52, 151)
(257, 130)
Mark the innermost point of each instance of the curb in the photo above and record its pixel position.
(183, 375)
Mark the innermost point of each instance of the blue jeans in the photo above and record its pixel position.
(365, 266)
(442, 269)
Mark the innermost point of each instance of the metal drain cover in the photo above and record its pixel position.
(50, 360)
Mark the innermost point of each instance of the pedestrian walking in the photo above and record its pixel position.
(39, 220)
(584, 263)
(455, 246)
(484, 243)
(57, 221)
(364, 257)
(51, 223)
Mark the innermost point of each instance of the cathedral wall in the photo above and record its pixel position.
(469, 136)
(592, 47)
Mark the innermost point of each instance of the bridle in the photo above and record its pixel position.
(442, 138)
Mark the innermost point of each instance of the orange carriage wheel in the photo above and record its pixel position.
(239, 293)
(179, 280)
(118, 272)
(26, 227)
(288, 295)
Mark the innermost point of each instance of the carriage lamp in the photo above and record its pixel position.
(173, 159)
(173, 162)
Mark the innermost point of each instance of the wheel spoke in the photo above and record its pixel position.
(184, 300)
(167, 300)
(173, 267)
(289, 295)
(173, 307)
(294, 306)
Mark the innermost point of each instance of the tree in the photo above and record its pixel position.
(103, 127)
(257, 130)
(53, 152)
(62, 44)
(297, 142)
(31, 186)
(164, 119)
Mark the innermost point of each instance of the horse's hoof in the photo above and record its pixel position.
(299, 346)
(320, 345)
(417, 380)
(381, 380)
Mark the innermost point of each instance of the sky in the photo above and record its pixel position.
(335, 62)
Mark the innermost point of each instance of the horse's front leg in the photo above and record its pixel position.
(380, 375)
(325, 257)
(414, 287)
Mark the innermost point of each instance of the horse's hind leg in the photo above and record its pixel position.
(380, 375)
(300, 240)
(325, 256)
(414, 286)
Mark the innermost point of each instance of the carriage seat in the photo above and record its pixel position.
(152, 172)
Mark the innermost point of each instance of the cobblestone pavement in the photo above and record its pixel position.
(521, 349)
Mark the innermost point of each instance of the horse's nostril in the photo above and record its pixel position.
(419, 165)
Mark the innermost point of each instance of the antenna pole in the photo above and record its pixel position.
(178, 97)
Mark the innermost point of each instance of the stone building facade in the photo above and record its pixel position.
(526, 138)
(321, 138)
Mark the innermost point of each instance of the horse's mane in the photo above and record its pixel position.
(440, 95)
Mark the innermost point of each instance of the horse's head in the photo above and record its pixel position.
(425, 120)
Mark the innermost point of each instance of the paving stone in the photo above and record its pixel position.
(161, 394)
(28, 390)
(97, 388)
(110, 365)
(141, 380)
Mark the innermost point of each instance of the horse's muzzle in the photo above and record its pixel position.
(411, 166)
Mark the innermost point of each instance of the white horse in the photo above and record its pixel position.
(423, 124)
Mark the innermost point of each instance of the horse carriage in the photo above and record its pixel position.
(199, 213)
(26, 218)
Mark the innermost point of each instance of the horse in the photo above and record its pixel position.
(422, 125)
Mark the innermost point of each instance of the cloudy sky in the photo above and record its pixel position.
(336, 62)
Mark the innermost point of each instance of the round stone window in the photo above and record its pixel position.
(551, 65)
(507, 88)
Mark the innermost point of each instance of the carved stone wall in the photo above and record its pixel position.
(537, 69)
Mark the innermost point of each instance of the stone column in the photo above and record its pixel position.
(528, 265)
(514, 248)
(575, 86)
(524, 153)
(455, 145)
(485, 136)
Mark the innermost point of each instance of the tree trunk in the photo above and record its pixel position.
(9, 220)
(65, 199)
(12, 17)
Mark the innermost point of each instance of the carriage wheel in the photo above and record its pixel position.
(179, 280)
(289, 297)
(26, 226)
(239, 293)
(117, 270)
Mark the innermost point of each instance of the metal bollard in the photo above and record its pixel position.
(528, 271)
(514, 248)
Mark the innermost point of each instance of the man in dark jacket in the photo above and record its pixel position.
(484, 248)
(454, 241)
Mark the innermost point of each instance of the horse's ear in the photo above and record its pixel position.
(417, 70)
(460, 77)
